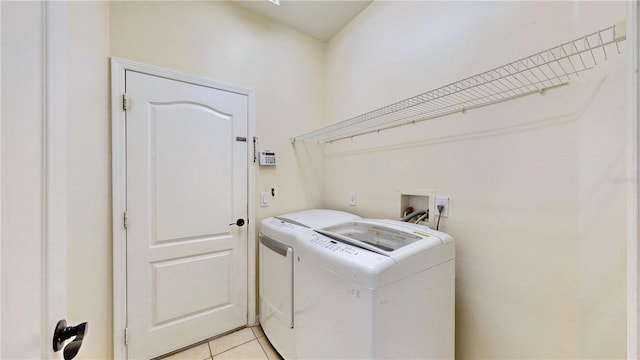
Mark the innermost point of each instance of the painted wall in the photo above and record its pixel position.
(535, 207)
(89, 176)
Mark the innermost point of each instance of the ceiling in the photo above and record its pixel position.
(320, 19)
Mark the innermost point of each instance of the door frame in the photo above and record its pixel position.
(118, 69)
(633, 181)
(51, 52)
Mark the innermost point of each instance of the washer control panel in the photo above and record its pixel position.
(348, 261)
(282, 224)
(333, 245)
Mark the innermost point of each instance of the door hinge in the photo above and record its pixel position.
(125, 102)
(255, 143)
(125, 220)
(126, 336)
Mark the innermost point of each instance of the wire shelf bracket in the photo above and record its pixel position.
(533, 74)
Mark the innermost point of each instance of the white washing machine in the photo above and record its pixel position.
(367, 289)
(278, 239)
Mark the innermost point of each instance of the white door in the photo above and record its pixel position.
(186, 186)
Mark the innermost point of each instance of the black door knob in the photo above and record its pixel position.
(239, 222)
(63, 332)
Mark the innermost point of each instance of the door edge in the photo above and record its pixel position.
(55, 160)
(633, 185)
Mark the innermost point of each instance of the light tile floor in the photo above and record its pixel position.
(247, 343)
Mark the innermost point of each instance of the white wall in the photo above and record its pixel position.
(535, 208)
(89, 176)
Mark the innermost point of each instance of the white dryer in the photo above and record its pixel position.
(278, 239)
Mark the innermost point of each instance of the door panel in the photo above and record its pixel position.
(186, 182)
(191, 197)
(182, 276)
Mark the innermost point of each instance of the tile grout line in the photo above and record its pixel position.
(261, 331)
(229, 349)
(260, 343)
(263, 350)
(210, 352)
(208, 342)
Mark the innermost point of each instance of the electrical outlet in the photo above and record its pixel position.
(352, 198)
(444, 201)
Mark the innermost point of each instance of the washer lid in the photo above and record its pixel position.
(317, 218)
(386, 238)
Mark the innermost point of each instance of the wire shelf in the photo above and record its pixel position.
(537, 73)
